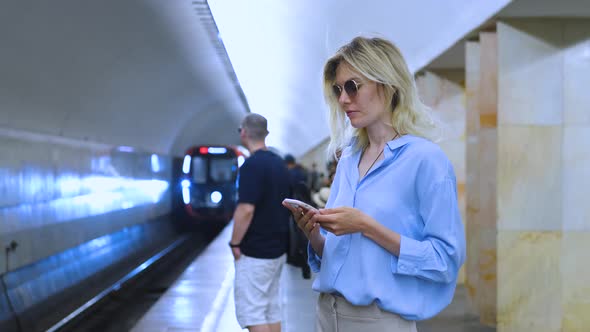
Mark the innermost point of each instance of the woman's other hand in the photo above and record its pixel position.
(342, 220)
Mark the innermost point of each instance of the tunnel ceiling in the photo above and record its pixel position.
(135, 73)
(278, 49)
(151, 74)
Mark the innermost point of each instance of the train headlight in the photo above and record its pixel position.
(216, 197)
(186, 164)
(186, 195)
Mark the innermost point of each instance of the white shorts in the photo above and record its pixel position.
(256, 290)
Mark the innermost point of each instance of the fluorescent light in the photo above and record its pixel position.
(213, 150)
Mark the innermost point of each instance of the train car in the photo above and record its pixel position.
(209, 183)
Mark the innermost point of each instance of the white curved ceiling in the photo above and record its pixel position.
(136, 73)
(278, 49)
(148, 74)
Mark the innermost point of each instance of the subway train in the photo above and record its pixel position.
(208, 183)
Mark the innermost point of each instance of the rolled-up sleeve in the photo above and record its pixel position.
(440, 252)
(314, 261)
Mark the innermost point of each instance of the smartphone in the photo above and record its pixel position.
(297, 203)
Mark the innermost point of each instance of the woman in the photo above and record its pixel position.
(389, 245)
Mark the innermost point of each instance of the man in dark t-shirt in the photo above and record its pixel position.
(261, 230)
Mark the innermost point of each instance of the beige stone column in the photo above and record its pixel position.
(472, 76)
(444, 92)
(575, 246)
(544, 175)
(487, 142)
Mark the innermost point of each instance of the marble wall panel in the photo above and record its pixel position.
(576, 282)
(529, 178)
(576, 178)
(488, 84)
(487, 154)
(576, 72)
(529, 279)
(471, 221)
(488, 160)
(472, 73)
(487, 275)
(530, 73)
(472, 78)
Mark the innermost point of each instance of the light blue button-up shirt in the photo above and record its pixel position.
(413, 192)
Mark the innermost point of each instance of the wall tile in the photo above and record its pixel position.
(529, 178)
(488, 80)
(530, 73)
(576, 178)
(487, 177)
(529, 281)
(487, 275)
(576, 76)
(472, 61)
(576, 281)
(472, 77)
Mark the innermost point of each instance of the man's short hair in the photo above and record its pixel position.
(289, 159)
(256, 126)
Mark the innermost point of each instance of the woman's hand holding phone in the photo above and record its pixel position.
(302, 213)
(295, 203)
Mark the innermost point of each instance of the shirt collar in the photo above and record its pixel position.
(392, 145)
(397, 143)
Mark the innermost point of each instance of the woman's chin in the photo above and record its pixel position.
(356, 124)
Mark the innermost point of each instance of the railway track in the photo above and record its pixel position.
(119, 306)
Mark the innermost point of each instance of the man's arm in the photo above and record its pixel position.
(242, 219)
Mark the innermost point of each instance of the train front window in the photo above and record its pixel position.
(199, 170)
(223, 169)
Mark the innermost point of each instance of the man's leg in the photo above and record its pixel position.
(276, 327)
(274, 313)
(257, 293)
(262, 328)
(249, 285)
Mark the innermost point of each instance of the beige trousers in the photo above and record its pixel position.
(335, 314)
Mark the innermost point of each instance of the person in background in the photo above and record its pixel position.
(314, 178)
(297, 255)
(260, 235)
(389, 244)
(297, 173)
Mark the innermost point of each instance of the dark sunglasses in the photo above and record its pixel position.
(351, 87)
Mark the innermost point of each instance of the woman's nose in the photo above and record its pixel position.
(344, 97)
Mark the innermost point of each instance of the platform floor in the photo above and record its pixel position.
(202, 300)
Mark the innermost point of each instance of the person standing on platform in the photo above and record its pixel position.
(314, 178)
(299, 190)
(298, 173)
(260, 235)
(389, 245)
